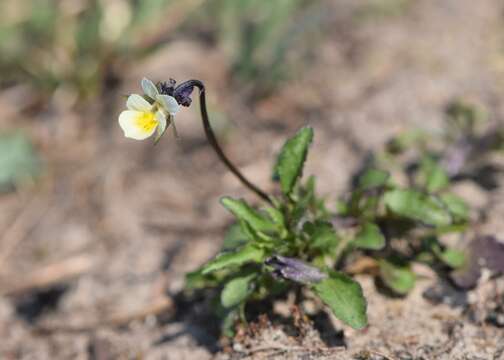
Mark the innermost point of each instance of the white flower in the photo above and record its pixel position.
(143, 117)
(166, 101)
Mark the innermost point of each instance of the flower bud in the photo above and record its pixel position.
(295, 270)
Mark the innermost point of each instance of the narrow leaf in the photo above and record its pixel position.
(369, 237)
(418, 206)
(244, 212)
(248, 253)
(276, 215)
(290, 162)
(345, 298)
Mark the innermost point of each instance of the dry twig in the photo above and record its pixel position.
(49, 275)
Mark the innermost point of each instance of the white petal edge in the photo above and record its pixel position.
(149, 88)
(137, 103)
(162, 125)
(169, 104)
(129, 125)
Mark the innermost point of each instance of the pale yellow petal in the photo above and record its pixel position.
(138, 103)
(137, 125)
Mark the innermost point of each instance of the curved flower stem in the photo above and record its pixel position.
(213, 140)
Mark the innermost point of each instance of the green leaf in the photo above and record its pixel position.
(235, 237)
(196, 280)
(244, 212)
(418, 206)
(432, 175)
(276, 215)
(322, 235)
(342, 208)
(453, 258)
(398, 278)
(290, 162)
(248, 253)
(406, 140)
(344, 297)
(425, 257)
(18, 161)
(236, 290)
(373, 178)
(307, 194)
(229, 318)
(369, 237)
(457, 207)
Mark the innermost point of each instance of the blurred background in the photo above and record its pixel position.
(98, 228)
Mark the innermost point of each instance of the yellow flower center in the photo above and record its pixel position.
(146, 121)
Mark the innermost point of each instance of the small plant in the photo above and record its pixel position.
(294, 240)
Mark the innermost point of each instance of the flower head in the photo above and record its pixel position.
(148, 113)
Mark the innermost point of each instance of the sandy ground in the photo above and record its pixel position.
(118, 223)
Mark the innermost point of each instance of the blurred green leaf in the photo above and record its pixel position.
(276, 215)
(291, 160)
(457, 207)
(418, 206)
(248, 253)
(322, 235)
(345, 299)
(398, 278)
(432, 176)
(234, 237)
(463, 116)
(373, 178)
(148, 11)
(257, 38)
(236, 290)
(406, 140)
(380, 9)
(41, 22)
(369, 237)
(453, 258)
(87, 35)
(228, 320)
(196, 280)
(244, 212)
(18, 161)
(425, 257)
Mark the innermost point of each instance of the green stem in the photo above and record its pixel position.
(345, 241)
